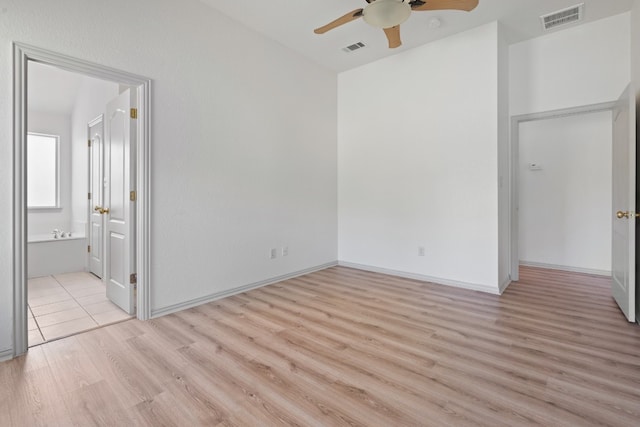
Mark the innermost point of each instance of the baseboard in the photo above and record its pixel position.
(504, 285)
(6, 355)
(566, 268)
(421, 277)
(218, 295)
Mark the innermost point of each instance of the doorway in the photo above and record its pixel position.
(623, 191)
(24, 56)
(565, 191)
(535, 171)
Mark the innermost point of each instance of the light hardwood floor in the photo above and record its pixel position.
(346, 347)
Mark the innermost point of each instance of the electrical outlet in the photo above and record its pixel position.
(273, 253)
(420, 250)
(285, 251)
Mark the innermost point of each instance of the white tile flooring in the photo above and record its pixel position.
(65, 304)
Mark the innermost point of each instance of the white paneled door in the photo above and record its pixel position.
(96, 196)
(624, 201)
(119, 199)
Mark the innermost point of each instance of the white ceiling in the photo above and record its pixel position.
(51, 90)
(291, 23)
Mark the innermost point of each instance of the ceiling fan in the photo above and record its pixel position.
(389, 14)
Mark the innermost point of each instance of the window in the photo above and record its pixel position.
(42, 171)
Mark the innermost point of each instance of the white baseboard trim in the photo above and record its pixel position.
(504, 285)
(421, 277)
(6, 355)
(566, 268)
(218, 295)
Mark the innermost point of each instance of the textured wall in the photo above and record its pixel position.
(243, 140)
(582, 65)
(418, 161)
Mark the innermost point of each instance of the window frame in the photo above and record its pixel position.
(57, 205)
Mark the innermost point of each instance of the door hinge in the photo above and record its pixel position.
(89, 196)
(89, 142)
(89, 248)
(133, 278)
(132, 196)
(134, 113)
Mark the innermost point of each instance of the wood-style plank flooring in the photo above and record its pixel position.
(346, 347)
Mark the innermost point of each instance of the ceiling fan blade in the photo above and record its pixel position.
(467, 5)
(393, 35)
(351, 16)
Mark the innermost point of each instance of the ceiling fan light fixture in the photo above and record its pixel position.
(386, 13)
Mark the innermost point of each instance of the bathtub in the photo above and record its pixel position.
(46, 255)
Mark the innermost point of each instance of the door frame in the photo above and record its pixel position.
(91, 202)
(515, 159)
(22, 54)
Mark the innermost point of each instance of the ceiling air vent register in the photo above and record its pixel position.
(353, 47)
(562, 17)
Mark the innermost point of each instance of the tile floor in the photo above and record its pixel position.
(65, 304)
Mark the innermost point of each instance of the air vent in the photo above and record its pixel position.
(562, 17)
(353, 47)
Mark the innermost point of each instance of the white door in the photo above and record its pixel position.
(624, 204)
(96, 183)
(119, 179)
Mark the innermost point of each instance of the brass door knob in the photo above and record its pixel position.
(101, 210)
(627, 214)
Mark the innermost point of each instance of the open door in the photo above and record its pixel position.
(624, 203)
(96, 193)
(119, 199)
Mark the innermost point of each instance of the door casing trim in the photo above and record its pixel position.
(22, 54)
(90, 204)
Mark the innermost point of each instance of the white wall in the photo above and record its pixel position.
(93, 95)
(635, 47)
(583, 65)
(243, 140)
(565, 208)
(418, 161)
(44, 221)
(635, 77)
(504, 185)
